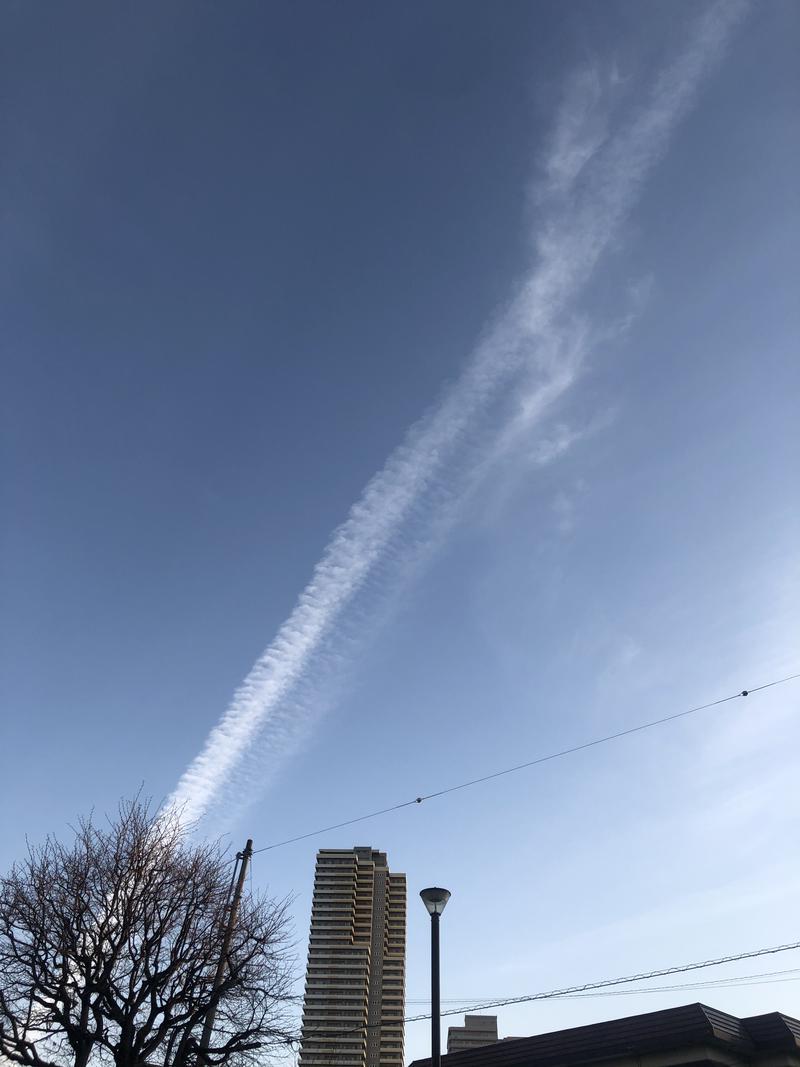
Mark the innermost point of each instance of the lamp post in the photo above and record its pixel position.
(435, 900)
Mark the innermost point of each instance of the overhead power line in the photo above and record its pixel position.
(626, 980)
(791, 974)
(575, 990)
(681, 987)
(536, 761)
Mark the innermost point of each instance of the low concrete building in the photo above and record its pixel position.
(690, 1036)
(477, 1030)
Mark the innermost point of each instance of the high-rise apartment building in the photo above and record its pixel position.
(355, 981)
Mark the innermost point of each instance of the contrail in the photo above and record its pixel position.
(592, 180)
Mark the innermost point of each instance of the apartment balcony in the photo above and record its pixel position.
(336, 1024)
(323, 1059)
(337, 970)
(322, 1041)
(327, 990)
(323, 1053)
(321, 1021)
(342, 1060)
(319, 1039)
(329, 1027)
(346, 955)
(344, 1057)
(323, 991)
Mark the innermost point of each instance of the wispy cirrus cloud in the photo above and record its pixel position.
(532, 352)
(580, 130)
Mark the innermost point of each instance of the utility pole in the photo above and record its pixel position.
(243, 858)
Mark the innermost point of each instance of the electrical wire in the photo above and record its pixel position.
(339, 825)
(590, 986)
(760, 978)
(679, 988)
(587, 989)
(561, 753)
(554, 994)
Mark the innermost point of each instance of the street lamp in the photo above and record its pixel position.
(435, 900)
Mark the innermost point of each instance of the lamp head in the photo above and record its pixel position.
(435, 899)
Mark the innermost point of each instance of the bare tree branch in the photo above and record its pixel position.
(109, 946)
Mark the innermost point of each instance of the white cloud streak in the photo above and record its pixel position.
(592, 179)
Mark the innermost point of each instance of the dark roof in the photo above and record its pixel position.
(773, 1031)
(692, 1024)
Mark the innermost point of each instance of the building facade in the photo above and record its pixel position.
(355, 980)
(477, 1030)
(693, 1035)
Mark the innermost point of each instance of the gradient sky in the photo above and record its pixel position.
(245, 248)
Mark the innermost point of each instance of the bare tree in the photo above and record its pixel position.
(109, 947)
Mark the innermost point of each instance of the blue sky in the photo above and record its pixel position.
(549, 252)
